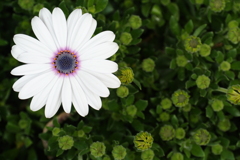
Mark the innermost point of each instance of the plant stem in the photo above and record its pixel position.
(220, 89)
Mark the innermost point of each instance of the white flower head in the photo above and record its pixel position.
(64, 65)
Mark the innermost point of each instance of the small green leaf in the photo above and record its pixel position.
(209, 112)
(235, 65)
(189, 84)
(199, 30)
(232, 110)
(100, 5)
(141, 105)
(174, 26)
(228, 155)
(189, 27)
(197, 151)
(64, 8)
(137, 83)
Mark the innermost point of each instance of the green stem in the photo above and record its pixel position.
(220, 89)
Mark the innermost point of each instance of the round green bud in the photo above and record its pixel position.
(225, 66)
(26, 4)
(166, 103)
(37, 8)
(199, 1)
(177, 156)
(135, 22)
(202, 137)
(164, 116)
(126, 75)
(187, 108)
(143, 141)
(119, 152)
(80, 133)
(180, 133)
(217, 149)
(228, 47)
(236, 6)
(233, 94)
(205, 50)
(224, 125)
(122, 92)
(203, 82)
(148, 65)
(192, 44)
(56, 131)
(128, 3)
(65, 142)
(126, 38)
(131, 110)
(167, 132)
(181, 60)
(180, 98)
(23, 123)
(147, 155)
(97, 149)
(233, 24)
(217, 105)
(233, 35)
(106, 157)
(217, 5)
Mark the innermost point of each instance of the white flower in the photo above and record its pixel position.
(65, 65)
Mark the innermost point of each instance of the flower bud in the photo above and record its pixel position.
(143, 141)
(177, 156)
(122, 92)
(233, 35)
(217, 105)
(217, 149)
(180, 133)
(224, 125)
(147, 155)
(166, 103)
(203, 82)
(180, 98)
(233, 24)
(80, 133)
(119, 152)
(167, 132)
(202, 137)
(26, 4)
(126, 38)
(181, 60)
(165, 2)
(126, 75)
(217, 5)
(148, 65)
(135, 22)
(225, 66)
(233, 94)
(65, 142)
(192, 44)
(131, 110)
(56, 131)
(199, 1)
(205, 50)
(164, 116)
(106, 157)
(187, 108)
(97, 149)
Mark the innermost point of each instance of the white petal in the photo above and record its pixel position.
(60, 26)
(108, 79)
(66, 95)
(46, 17)
(101, 66)
(16, 51)
(17, 86)
(93, 84)
(54, 98)
(79, 99)
(80, 31)
(101, 51)
(43, 34)
(31, 58)
(31, 45)
(30, 69)
(36, 85)
(40, 99)
(106, 36)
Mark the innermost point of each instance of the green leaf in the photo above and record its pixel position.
(189, 27)
(12, 127)
(113, 105)
(146, 9)
(224, 141)
(129, 100)
(159, 150)
(174, 121)
(219, 57)
(173, 64)
(137, 125)
(199, 30)
(227, 155)
(230, 75)
(197, 151)
(87, 129)
(140, 114)
(3, 42)
(174, 26)
(189, 84)
(59, 152)
(235, 65)
(100, 5)
(136, 33)
(209, 112)
(64, 8)
(141, 105)
(232, 110)
(137, 83)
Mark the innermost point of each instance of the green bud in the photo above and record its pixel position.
(233, 94)
(164, 116)
(180, 133)
(135, 22)
(217, 105)
(224, 125)
(128, 3)
(56, 131)
(233, 35)
(177, 156)
(180, 98)
(97, 149)
(202, 137)
(233, 24)
(23, 123)
(203, 82)
(236, 6)
(165, 2)
(126, 38)
(131, 110)
(126, 75)
(192, 44)
(143, 141)
(106, 157)
(181, 60)
(166, 103)
(122, 92)
(147, 155)
(167, 132)
(187, 108)
(217, 5)
(148, 65)
(225, 66)
(37, 8)
(205, 50)
(26, 4)
(228, 47)
(119, 152)
(80, 133)
(217, 149)
(199, 1)
(65, 142)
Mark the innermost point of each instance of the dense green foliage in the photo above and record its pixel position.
(179, 68)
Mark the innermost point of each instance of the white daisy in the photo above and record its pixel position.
(64, 65)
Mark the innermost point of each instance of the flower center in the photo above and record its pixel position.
(65, 62)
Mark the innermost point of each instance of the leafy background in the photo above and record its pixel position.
(161, 36)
